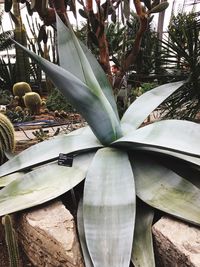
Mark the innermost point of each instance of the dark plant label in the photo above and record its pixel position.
(65, 160)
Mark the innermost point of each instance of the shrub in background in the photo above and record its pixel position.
(5, 97)
(57, 101)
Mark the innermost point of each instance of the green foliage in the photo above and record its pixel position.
(122, 163)
(33, 102)
(143, 88)
(146, 59)
(56, 101)
(148, 86)
(11, 241)
(5, 43)
(5, 97)
(7, 72)
(121, 40)
(7, 75)
(180, 56)
(18, 115)
(39, 45)
(7, 139)
(116, 33)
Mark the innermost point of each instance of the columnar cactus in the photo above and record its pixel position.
(20, 89)
(11, 241)
(7, 137)
(33, 102)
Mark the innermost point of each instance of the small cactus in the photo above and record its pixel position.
(43, 103)
(16, 98)
(7, 137)
(33, 102)
(20, 89)
(56, 113)
(18, 109)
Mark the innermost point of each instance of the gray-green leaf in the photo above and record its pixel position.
(43, 184)
(48, 151)
(69, 52)
(9, 178)
(81, 232)
(195, 161)
(88, 98)
(109, 209)
(141, 108)
(175, 135)
(163, 189)
(142, 251)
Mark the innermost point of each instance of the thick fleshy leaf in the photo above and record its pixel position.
(88, 98)
(69, 53)
(141, 108)
(81, 234)
(184, 165)
(9, 178)
(82, 131)
(195, 161)
(163, 189)
(102, 79)
(43, 184)
(142, 251)
(47, 151)
(9, 154)
(175, 135)
(109, 208)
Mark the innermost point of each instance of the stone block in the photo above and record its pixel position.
(48, 236)
(177, 244)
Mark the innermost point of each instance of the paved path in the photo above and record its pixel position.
(24, 133)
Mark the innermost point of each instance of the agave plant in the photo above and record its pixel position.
(117, 160)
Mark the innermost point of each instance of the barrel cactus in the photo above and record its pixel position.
(33, 102)
(20, 89)
(7, 140)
